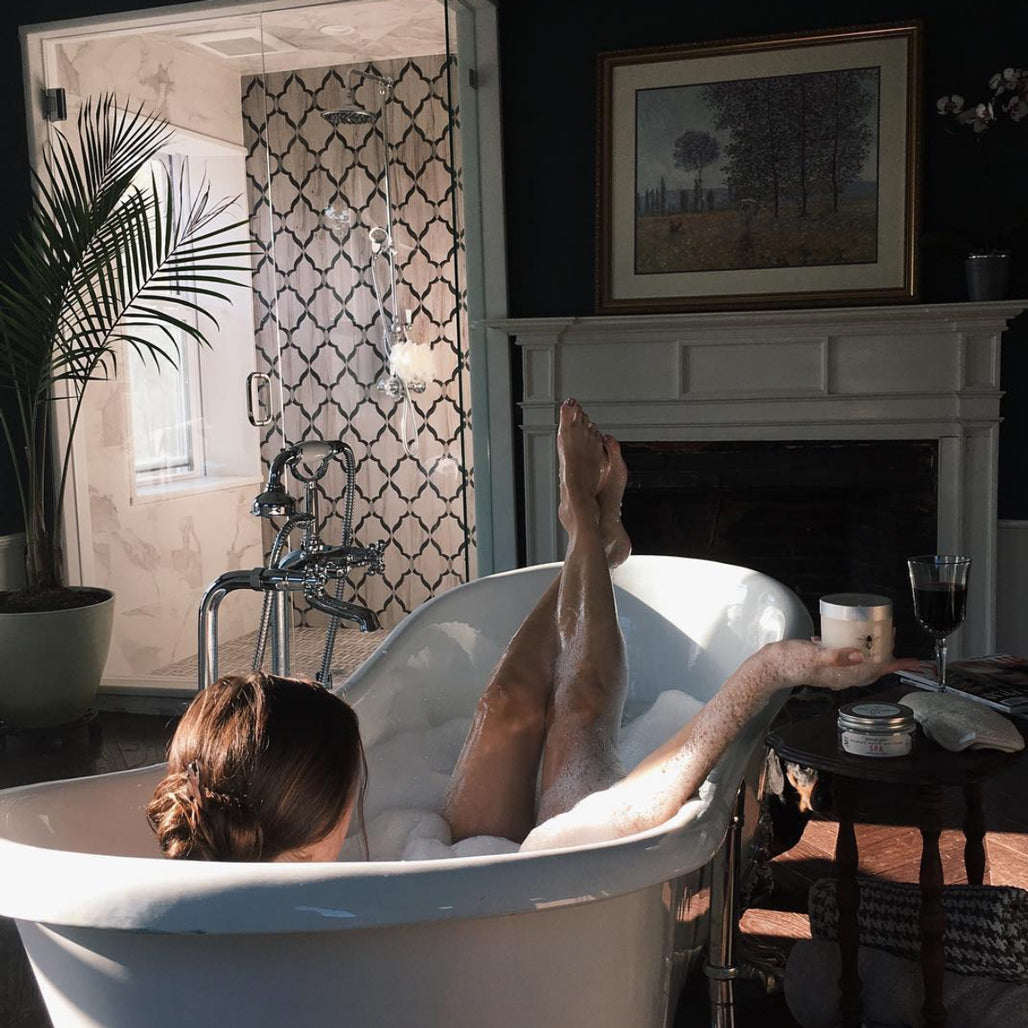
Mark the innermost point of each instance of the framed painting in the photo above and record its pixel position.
(780, 172)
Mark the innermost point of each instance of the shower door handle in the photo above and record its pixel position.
(258, 399)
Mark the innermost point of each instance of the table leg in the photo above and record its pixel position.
(848, 899)
(933, 918)
(974, 834)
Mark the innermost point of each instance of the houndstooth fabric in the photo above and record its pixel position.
(986, 925)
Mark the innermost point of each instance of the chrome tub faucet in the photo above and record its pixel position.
(309, 569)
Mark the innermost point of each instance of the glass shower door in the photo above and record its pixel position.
(166, 461)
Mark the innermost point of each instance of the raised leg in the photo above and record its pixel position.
(493, 787)
(590, 676)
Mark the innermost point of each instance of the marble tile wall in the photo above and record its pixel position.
(158, 555)
(319, 329)
(190, 90)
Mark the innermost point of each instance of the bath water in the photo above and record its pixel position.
(408, 774)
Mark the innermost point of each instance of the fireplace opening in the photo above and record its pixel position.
(821, 517)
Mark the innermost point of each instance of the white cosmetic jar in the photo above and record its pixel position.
(871, 728)
(861, 620)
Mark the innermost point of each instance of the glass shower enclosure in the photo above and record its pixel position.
(337, 129)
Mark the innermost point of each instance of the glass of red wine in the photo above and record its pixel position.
(939, 582)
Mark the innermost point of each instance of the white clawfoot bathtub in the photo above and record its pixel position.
(120, 938)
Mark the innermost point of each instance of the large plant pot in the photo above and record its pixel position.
(51, 663)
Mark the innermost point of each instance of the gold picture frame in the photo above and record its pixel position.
(770, 172)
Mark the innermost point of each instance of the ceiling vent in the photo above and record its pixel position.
(243, 42)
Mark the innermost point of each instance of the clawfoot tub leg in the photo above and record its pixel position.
(721, 969)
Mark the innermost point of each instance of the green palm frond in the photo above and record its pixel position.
(110, 257)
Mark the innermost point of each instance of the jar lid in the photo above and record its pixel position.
(876, 715)
(856, 607)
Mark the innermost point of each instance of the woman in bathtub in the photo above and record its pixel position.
(264, 768)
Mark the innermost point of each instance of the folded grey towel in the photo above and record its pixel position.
(957, 723)
(893, 991)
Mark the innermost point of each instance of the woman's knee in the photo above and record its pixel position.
(511, 702)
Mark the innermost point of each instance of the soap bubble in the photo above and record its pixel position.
(409, 771)
(670, 711)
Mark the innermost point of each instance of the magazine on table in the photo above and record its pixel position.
(998, 680)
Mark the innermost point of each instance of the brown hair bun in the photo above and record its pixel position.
(258, 766)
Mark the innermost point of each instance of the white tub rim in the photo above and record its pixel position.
(156, 895)
(152, 894)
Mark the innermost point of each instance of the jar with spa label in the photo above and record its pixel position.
(863, 620)
(872, 728)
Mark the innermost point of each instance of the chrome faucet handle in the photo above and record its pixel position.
(339, 561)
(371, 557)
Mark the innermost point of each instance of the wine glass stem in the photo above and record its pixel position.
(940, 660)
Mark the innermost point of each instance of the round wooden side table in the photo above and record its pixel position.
(872, 781)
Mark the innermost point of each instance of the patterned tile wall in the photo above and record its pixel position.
(319, 328)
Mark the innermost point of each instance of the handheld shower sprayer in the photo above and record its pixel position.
(273, 500)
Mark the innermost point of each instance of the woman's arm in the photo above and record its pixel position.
(656, 789)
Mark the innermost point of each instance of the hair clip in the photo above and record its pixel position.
(193, 779)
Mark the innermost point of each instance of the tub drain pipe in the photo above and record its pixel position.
(721, 969)
(324, 675)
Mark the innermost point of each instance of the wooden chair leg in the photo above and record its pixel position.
(848, 899)
(933, 918)
(974, 834)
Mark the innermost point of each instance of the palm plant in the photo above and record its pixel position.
(113, 255)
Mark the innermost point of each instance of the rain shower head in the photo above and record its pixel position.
(350, 113)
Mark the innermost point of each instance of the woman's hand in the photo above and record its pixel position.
(802, 662)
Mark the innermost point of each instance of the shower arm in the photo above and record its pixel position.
(386, 91)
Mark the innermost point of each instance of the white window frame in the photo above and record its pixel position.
(172, 165)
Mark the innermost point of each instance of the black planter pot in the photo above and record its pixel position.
(987, 275)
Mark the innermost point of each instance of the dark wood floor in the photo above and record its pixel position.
(777, 919)
(123, 741)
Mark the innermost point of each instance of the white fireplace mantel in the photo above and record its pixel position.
(900, 372)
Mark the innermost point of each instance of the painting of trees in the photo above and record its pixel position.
(794, 135)
(693, 152)
(760, 170)
(777, 171)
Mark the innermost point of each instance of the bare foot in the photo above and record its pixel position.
(582, 466)
(616, 542)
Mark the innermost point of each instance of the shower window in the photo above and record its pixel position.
(167, 436)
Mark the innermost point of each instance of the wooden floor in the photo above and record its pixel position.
(124, 741)
(891, 852)
(778, 919)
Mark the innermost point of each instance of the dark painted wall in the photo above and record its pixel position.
(548, 55)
